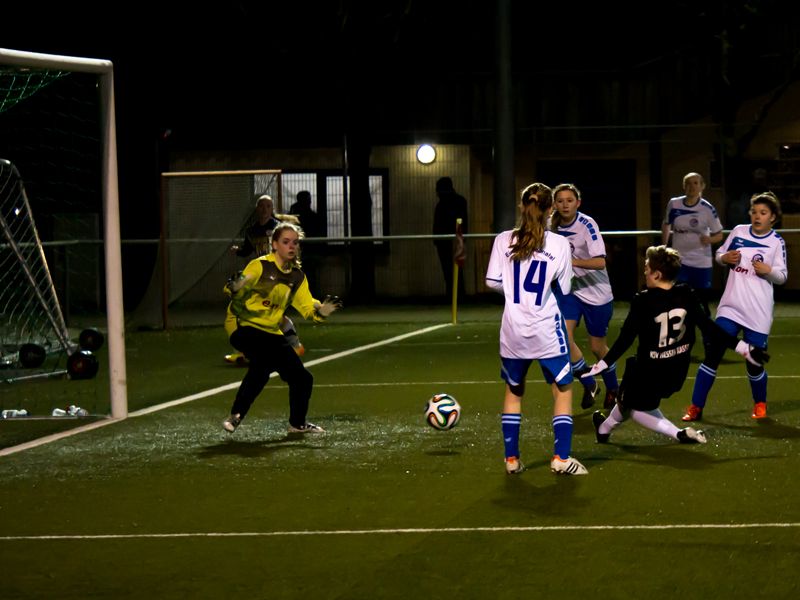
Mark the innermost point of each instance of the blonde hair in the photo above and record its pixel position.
(666, 260)
(688, 175)
(556, 219)
(770, 200)
(535, 201)
(276, 236)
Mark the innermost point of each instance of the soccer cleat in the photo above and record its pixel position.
(513, 465)
(611, 398)
(597, 419)
(231, 423)
(567, 467)
(307, 428)
(236, 357)
(691, 436)
(589, 392)
(693, 413)
(300, 349)
(759, 411)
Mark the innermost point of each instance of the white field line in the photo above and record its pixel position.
(311, 363)
(224, 388)
(492, 382)
(556, 528)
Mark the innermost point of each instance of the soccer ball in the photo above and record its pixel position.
(442, 412)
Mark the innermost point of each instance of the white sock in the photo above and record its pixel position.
(653, 419)
(612, 421)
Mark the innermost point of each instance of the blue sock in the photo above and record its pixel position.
(702, 385)
(758, 384)
(610, 378)
(511, 424)
(585, 380)
(562, 428)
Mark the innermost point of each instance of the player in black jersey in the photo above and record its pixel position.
(663, 317)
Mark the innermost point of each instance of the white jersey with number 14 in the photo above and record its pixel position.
(532, 326)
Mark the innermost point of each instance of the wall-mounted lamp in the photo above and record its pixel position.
(426, 154)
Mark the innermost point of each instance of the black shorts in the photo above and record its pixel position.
(642, 389)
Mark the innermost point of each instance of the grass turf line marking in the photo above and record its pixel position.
(56, 436)
(146, 411)
(555, 528)
(311, 363)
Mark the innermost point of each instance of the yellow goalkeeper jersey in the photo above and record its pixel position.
(263, 300)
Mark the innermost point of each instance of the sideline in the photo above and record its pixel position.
(556, 528)
(224, 388)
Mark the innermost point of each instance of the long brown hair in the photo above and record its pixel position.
(556, 219)
(536, 201)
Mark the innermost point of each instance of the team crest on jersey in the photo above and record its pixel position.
(758, 258)
(694, 222)
(572, 248)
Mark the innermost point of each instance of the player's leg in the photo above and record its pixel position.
(700, 279)
(597, 320)
(513, 372)
(656, 421)
(707, 373)
(258, 345)
(757, 375)
(619, 414)
(572, 311)
(301, 382)
(287, 327)
(558, 374)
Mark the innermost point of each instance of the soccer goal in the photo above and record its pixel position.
(23, 77)
(203, 216)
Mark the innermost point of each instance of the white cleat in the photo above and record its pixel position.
(691, 436)
(567, 467)
(307, 428)
(514, 465)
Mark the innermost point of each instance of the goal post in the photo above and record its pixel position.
(104, 70)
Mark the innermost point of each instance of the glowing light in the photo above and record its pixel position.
(426, 154)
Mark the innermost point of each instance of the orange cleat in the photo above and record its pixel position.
(759, 411)
(611, 398)
(693, 413)
(237, 358)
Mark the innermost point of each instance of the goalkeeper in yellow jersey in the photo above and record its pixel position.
(259, 297)
(257, 239)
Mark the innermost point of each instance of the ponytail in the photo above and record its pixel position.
(528, 236)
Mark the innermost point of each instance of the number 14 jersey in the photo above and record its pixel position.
(532, 326)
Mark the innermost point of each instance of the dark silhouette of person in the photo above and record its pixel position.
(309, 220)
(450, 207)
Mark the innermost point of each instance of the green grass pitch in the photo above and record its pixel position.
(167, 505)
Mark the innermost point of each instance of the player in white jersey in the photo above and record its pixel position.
(526, 263)
(591, 296)
(756, 257)
(695, 226)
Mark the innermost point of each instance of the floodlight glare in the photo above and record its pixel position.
(426, 154)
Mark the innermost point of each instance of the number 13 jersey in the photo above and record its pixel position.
(532, 326)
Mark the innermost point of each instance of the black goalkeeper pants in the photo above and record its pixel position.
(268, 353)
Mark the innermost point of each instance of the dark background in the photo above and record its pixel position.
(250, 74)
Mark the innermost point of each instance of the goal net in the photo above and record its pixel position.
(204, 214)
(59, 210)
(31, 317)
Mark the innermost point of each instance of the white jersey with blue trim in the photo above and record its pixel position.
(591, 286)
(688, 224)
(748, 298)
(532, 325)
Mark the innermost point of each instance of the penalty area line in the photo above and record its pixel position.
(311, 363)
(555, 528)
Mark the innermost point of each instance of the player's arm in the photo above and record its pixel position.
(494, 272)
(627, 335)
(727, 257)
(246, 249)
(311, 308)
(777, 272)
(597, 263)
(666, 229)
(707, 240)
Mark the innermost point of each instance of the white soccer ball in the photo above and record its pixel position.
(442, 412)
